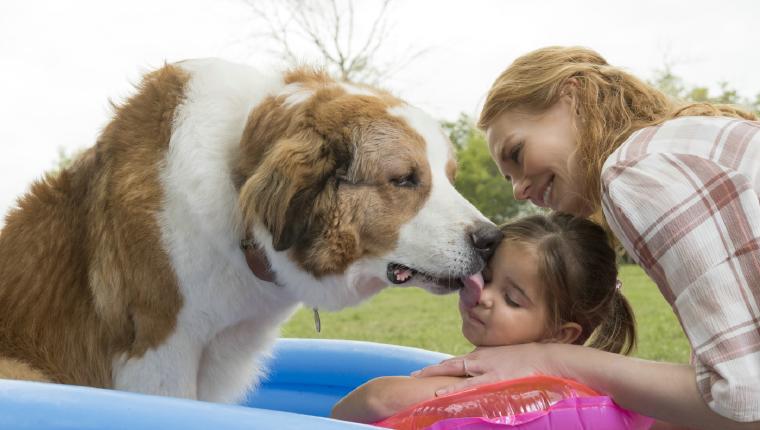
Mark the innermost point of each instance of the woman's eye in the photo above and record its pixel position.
(515, 152)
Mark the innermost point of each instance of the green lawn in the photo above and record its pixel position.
(412, 317)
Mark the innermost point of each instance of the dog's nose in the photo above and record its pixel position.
(485, 237)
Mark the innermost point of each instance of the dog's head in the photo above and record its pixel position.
(351, 188)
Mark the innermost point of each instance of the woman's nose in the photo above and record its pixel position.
(520, 188)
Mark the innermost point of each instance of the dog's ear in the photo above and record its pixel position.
(283, 192)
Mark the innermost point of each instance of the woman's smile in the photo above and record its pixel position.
(548, 191)
(545, 196)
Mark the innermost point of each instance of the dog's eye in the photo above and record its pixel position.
(409, 180)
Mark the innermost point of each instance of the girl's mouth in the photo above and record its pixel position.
(471, 315)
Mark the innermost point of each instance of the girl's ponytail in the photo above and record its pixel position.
(617, 332)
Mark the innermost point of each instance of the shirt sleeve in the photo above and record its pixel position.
(694, 227)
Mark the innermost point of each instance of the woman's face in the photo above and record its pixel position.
(512, 309)
(537, 153)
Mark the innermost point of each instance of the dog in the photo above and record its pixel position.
(216, 201)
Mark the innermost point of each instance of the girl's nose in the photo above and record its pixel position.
(486, 297)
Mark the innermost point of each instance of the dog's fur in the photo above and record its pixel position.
(125, 269)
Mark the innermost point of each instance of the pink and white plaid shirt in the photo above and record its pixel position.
(683, 199)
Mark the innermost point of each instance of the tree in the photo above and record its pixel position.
(666, 81)
(348, 44)
(478, 178)
(65, 159)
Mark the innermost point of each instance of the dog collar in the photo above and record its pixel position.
(257, 261)
(259, 264)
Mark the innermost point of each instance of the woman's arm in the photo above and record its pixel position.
(385, 396)
(664, 391)
(699, 241)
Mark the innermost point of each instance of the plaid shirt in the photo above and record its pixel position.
(682, 198)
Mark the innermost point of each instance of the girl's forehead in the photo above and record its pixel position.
(521, 258)
(517, 257)
(524, 245)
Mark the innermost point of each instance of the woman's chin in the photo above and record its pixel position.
(577, 207)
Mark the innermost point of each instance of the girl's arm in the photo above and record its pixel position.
(387, 395)
(664, 391)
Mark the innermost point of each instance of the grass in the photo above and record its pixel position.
(412, 317)
(660, 335)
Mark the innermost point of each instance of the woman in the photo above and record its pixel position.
(678, 186)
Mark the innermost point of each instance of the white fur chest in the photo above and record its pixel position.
(228, 317)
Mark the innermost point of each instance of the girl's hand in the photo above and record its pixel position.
(492, 364)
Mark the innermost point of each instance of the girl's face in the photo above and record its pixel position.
(537, 153)
(511, 309)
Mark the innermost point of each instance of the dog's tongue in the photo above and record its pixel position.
(470, 294)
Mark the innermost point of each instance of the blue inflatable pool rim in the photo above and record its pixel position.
(306, 378)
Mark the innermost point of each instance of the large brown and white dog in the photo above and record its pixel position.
(126, 270)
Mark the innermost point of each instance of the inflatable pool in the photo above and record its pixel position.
(307, 377)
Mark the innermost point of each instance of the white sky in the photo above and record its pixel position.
(61, 61)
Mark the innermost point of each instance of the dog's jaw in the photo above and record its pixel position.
(362, 279)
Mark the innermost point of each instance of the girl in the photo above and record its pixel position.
(551, 279)
(678, 185)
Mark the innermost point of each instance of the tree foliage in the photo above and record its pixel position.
(65, 159)
(666, 81)
(478, 179)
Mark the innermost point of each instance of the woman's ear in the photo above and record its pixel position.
(570, 86)
(568, 333)
(569, 94)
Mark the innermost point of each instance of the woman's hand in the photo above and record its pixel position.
(492, 364)
(664, 391)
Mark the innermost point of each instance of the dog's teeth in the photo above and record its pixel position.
(402, 274)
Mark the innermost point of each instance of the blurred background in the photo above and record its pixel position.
(64, 63)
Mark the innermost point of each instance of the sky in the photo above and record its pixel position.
(62, 62)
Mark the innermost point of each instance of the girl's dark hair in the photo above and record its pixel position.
(578, 266)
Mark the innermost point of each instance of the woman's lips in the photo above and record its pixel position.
(542, 199)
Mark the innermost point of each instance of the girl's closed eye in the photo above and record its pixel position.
(510, 302)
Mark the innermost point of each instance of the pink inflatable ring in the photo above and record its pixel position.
(533, 403)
